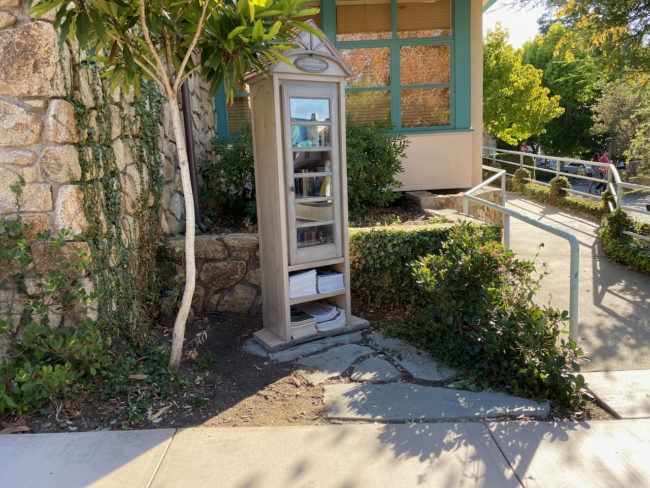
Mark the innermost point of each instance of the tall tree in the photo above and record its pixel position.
(575, 78)
(618, 29)
(167, 41)
(621, 111)
(515, 104)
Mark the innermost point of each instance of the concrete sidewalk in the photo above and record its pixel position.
(473, 454)
(614, 313)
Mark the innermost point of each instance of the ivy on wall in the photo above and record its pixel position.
(121, 205)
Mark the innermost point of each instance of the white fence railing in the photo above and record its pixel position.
(507, 213)
(557, 166)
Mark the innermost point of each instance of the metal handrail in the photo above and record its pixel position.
(614, 183)
(507, 213)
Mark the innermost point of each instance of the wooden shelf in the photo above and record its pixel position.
(317, 296)
(316, 264)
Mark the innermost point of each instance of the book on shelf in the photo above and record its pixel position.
(321, 311)
(300, 318)
(303, 331)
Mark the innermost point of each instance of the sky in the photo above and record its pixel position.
(521, 22)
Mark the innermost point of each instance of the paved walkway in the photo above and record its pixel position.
(614, 313)
(370, 377)
(474, 454)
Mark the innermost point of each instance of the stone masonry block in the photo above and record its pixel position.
(61, 123)
(18, 127)
(29, 62)
(60, 163)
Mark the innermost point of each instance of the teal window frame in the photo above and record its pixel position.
(460, 69)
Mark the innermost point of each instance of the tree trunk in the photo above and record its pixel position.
(190, 265)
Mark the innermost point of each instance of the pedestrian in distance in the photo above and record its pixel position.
(595, 171)
(603, 170)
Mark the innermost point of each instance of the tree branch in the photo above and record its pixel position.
(189, 73)
(164, 78)
(192, 45)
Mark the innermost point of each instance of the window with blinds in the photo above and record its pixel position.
(401, 54)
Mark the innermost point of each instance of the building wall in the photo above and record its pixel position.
(451, 160)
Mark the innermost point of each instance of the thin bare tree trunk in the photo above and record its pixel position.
(190, 265)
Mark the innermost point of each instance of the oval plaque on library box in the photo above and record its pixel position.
(310, 64)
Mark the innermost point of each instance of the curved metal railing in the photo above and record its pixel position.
(507, 213)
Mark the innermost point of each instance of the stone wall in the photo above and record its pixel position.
(227, 269)
(38, 132)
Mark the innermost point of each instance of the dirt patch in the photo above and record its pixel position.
(226, 387)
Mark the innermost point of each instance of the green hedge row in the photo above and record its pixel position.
(380, 258)
(623, 248)
(576, 204)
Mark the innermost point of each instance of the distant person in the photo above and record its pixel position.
(603, 171)
(595, 172)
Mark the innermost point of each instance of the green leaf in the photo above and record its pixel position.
(237, 30)
(83, 27)
(98, 25)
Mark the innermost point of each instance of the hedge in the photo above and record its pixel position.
(623, 248)
(579, 205)
(380, 258)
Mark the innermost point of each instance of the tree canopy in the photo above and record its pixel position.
(576, 80)
(619, 30)
(515, 104)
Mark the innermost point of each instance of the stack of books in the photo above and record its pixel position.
(329, 280)
(302, 284)
(302, 324)
(328, 317)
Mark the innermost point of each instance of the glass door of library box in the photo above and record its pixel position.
(312, 153)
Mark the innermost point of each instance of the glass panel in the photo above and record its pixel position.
(369, 107)
(359, 20)
(426, 107)
(371, 66)
(239, 116)
(313, 186)
(310, 135)
(421, 65)
(428, 18)
(312, 161)
(317, 235)
(303, 109)
(313, 212)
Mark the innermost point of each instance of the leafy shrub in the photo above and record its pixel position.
(522, 175)
(44, 354)
(228, 188)
(379, 260)
(475, 311)
(559, 186)
(623, 248)
(373, 160)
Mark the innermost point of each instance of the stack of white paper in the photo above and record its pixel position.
(321, 311)
(329, 280)
(335, 323)
(302, 284)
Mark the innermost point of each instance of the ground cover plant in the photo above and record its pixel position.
(623, 248)
(473, 308)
